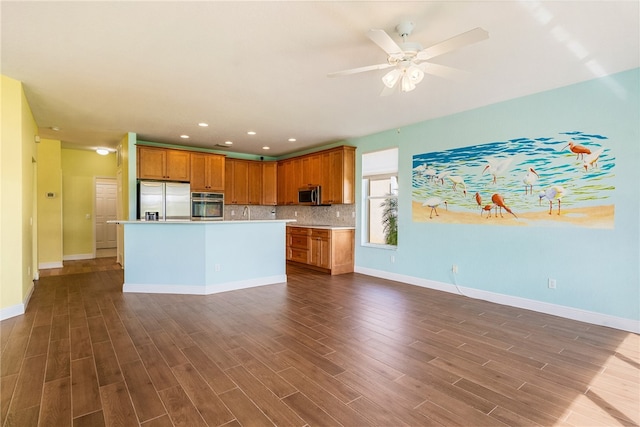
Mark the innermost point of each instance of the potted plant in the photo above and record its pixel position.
(390, 220)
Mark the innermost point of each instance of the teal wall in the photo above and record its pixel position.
(597, 270)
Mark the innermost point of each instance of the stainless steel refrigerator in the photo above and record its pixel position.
(171, 200)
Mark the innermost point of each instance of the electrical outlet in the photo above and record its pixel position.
(552, 283)
(393, 259)
(454, 269)
(295, 213)
(337, 214)
(216, 267)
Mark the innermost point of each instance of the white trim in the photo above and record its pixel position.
(18, 309)
(204, 289)
(572, 313)
(47, 265)
(76, 257)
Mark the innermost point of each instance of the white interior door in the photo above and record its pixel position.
(106, 210)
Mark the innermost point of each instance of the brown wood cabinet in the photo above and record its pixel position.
(289, 180)
(270, 183)
(163, 164)
(337, 176)
(333, 169)
(328, 250)
(236, 182)
(249, 182)
(320, 248)
(254, 183)
(207, 172)
(310, 170)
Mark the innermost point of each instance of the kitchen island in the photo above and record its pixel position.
(202, 257)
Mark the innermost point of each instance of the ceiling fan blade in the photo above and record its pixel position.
(456, 42)
(382, 39)
(443, 71)
(359, 70)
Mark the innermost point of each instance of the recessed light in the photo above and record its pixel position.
(102, 151)
(228, 142)
(203, 125)
(251, 132)
(184, 136)
(292, 140)
(265, 147)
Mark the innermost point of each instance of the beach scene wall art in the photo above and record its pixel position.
(566, 180)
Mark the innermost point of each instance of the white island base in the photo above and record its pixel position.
(200, 257)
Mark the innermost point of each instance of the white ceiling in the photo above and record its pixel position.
(98, 70)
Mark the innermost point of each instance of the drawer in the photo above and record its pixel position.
(299, 255)
(299, 231)
(320, 233)
(301, 242)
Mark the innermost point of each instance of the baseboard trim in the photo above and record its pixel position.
(18, 309)
(76, 257)
(47, 265)
(512, 301)
(204, 289)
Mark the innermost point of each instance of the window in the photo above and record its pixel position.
(380, 194)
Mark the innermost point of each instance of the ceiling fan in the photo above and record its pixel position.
(409, 59)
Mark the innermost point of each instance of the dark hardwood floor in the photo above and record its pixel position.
(347, 350)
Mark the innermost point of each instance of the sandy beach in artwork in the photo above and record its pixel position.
(588, 217)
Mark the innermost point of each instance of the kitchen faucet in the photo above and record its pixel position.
(246, 212)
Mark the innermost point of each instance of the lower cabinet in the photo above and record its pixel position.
(329, 250)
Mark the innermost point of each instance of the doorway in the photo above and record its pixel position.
(106, 210)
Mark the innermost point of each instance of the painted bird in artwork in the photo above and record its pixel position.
(458, 181)
(592, 159)
(579, 150)
(497, 167)
(433, 203)
(556, 192)
(529, 180)
(498, 201)
(485, 208)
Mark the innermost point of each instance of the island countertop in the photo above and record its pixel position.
(203, 257)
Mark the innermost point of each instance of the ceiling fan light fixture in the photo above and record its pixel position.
(415, 74)
(391, 78)
(407, 85)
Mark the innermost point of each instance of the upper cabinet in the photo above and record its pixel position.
(249, 182)
(207, 172)
(163, 164)
(337, 177)
(289, 180)
(236, 182)
(269, 183)
(333, 170)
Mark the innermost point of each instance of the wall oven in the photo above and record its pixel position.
(207, 206)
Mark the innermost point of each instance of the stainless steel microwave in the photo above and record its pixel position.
(311, 195)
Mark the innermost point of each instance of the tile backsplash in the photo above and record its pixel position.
(335, 215)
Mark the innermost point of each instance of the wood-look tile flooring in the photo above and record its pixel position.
(347, 350)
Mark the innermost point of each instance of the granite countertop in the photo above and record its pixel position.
(323, 226)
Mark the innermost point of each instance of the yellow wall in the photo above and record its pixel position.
(49, 209)
(17, 201)
(123, 189)
(79, 170)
